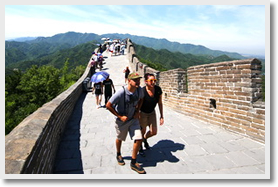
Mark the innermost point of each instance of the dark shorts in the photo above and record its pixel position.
(98, 92)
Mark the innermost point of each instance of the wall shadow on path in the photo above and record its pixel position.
(68, 159)
(160, 152)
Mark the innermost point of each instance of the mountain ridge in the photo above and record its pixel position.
(176, 46)
(141, 40)
(39, 49)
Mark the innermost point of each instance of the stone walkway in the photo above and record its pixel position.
(183, 144)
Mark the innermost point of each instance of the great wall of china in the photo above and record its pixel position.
(225, 94)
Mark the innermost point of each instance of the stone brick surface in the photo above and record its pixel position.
(234, 85)
(32, 145)
(197, 138)
(183, 145)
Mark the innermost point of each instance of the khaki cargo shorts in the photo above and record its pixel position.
(147, 119)
(132, 126)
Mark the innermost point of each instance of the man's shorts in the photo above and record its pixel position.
(147, 119)
(132, 126)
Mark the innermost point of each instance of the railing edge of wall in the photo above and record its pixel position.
(21, 143)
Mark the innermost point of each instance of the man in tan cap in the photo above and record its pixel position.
(125, 105)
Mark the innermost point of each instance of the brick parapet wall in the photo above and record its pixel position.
(31, 147)
(135, 65)
(225, 94)
(239, 78)
(173, 81)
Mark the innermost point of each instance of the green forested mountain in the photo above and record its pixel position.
(69, 38)
(26, 55)
(23, 55)
(175, 46)
(38, 70)
(73, 39)
(164, 59)
(22, 51)
(54, 50)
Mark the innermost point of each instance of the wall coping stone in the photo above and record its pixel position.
(26, 137)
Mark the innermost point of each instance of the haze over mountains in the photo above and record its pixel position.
(78, 38)
(27, 51)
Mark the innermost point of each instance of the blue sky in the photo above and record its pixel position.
(233, 28)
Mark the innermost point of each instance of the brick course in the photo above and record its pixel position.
(235, 86)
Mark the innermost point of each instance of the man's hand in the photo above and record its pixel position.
(123, 118)
(161, 121)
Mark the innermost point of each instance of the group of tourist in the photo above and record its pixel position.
(134, 109)
(116, 47)
(98, 90)
(97, 60)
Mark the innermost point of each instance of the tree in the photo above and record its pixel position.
(40, 85)
(78, 71)
(64, 77)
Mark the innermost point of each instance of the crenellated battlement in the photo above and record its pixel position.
(225, 93)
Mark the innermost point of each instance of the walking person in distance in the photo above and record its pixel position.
(108, 85)
(126, 71)
(98, 88)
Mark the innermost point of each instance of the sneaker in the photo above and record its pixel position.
(141, 152)
(147, 146)
(136, 167)
(120, 160)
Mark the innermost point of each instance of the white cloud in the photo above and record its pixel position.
(199, 25)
